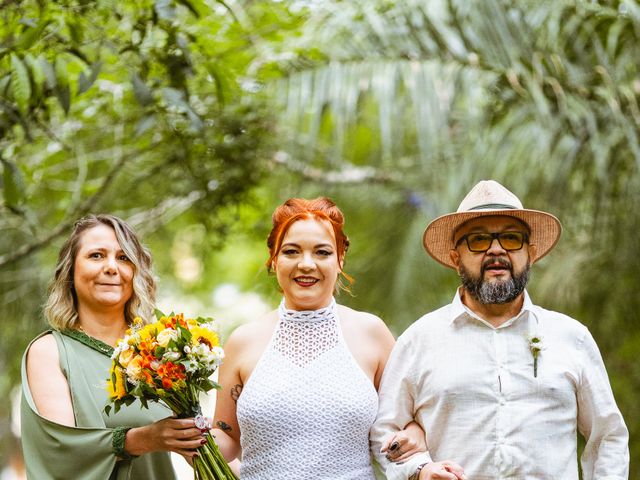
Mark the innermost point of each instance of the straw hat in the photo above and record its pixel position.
(488, 197)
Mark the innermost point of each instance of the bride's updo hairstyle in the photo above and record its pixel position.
(295, 209)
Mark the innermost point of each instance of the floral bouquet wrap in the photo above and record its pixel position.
(170, 361)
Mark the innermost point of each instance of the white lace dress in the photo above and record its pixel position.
(306, 409)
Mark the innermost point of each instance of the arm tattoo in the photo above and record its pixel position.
(235, 392)
(225, 427)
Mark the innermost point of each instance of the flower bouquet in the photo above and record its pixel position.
(170, 361)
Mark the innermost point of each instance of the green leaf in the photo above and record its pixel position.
(63, 94)
(195, 7)
(20, 83)
(142, 92)
(32, 35)
(84, 81)
(37, 74)
(13, 190)
(49, 73)
(62, 90)
(75, 31)
(184, 333)
(222, 82)
(4, 83)
(146, 123)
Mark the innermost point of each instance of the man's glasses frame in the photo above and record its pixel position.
(510, 241)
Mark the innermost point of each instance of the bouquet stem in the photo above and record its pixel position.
(210, 465)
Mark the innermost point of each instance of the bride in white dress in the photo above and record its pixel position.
(299, 386)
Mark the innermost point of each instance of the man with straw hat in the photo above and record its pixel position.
(499, 384)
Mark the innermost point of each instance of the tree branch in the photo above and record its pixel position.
(81, 210)
(167, 210)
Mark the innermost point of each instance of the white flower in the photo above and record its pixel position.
(536, 346)
(217, 355)
(133, 381)
(167, 335)
(171, 356)
(201, 350)
(191, 366)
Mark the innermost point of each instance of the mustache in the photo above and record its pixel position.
(503, 262)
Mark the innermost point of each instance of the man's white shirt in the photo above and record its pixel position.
(472, 388)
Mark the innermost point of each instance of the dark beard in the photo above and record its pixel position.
(495, 292)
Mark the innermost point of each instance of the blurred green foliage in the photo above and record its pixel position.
(193, 119)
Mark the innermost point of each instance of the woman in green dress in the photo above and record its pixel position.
(102, 282)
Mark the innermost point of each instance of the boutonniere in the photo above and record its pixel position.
(535, 346)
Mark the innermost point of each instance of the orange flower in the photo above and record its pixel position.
(172, 371)
(148, 378)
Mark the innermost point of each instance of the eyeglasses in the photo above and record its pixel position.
(481, 242)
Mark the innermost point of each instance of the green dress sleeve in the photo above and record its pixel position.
(53, 451)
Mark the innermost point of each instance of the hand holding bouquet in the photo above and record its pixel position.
(170, 361)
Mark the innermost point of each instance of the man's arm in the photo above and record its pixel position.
(606, 454)
(396, 410)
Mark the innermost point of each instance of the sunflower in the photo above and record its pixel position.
(149, 332)
(200, 335)
(116, 383)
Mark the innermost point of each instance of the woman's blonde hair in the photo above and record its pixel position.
(61, 307)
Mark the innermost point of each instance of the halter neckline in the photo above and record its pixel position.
(319, 315)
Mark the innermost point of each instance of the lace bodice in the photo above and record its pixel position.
(306, 409)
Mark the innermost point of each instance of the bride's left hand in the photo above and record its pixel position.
(401, 445)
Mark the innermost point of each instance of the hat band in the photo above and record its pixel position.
(493, 206)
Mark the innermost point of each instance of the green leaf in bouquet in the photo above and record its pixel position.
(138, 390)
(185, 334)
(208, 384)
(158, 313)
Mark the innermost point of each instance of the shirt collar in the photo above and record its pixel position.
(460, 310)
